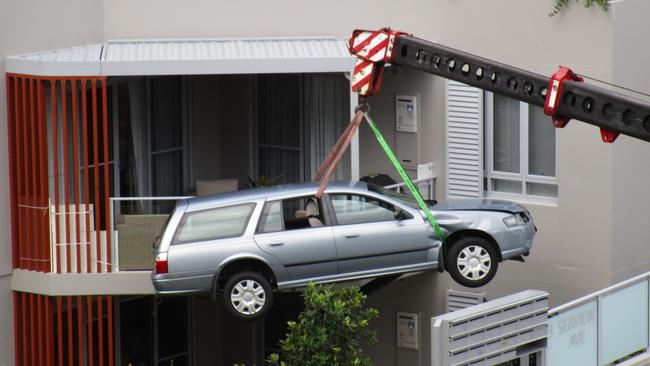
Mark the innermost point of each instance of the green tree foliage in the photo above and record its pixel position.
(559, 4)
(329, 331)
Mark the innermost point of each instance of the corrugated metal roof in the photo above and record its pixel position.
(83, 60)
(205, 49)
(190, 56)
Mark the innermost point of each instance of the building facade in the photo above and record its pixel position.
(79, 139)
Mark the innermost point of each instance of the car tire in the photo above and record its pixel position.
(472, 261)
(247, 295)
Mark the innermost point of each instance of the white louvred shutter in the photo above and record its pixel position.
(464, 143)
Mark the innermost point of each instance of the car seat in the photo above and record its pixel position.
(311, 209)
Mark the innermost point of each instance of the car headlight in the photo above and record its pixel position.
(518, 219)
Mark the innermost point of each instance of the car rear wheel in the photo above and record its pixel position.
(472, 261)
(247, 295)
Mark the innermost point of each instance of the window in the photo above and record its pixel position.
(298, 117)
(290, 214)
(355, 209)
(216, 223)
(520, 152)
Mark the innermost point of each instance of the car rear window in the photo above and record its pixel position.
(215, 223)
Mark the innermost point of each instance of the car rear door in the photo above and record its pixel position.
(304, 245)
(370, 236)
(205, 237)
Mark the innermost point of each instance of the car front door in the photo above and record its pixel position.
(295, 232)
(372, 234)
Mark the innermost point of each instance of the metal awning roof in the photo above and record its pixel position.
(189, 57)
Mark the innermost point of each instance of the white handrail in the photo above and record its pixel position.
(162, 198)
(430, 184)
(403, 184)
(595, 295)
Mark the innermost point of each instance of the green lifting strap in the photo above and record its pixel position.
(414, 191)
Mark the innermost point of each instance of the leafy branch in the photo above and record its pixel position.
(329, 331)
(559, 4)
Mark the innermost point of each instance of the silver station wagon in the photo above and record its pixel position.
(249, 243)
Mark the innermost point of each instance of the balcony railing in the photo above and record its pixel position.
(602, 328)
(136, 223)
(426, 186)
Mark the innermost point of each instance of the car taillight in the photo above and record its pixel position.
(161, 263)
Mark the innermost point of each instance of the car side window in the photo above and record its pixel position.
(291, 214)
(356, 209)
(214, 223)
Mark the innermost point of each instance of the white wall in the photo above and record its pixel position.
(25, 26)
(631, 177)
(431, 125)
(206, 18)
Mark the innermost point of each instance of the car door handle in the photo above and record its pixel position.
(351, 235)
(275, 243)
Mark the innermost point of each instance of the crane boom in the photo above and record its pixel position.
(564, 96)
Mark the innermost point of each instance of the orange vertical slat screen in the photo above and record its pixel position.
(11, 132)
(58, 141)
(75, 173)
(66, 190)
(43, 201)
(16, 211)
(25, 163)
(96, 171)
(39, 328)
(25, 328)
(49, 336)
(28, 153)
(32, 323)
(54, 331)
(55, 159)
(33, 217)
(84, 127)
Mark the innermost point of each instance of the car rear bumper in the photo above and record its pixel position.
(168, 284)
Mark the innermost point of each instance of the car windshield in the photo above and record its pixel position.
(404, 198)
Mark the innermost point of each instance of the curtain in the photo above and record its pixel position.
(138, 122)
(326, 114)
(166, 148)
(278, 128)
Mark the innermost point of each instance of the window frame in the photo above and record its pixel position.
(523, 177)
(335, 220)
(325, 218)
(176, 241)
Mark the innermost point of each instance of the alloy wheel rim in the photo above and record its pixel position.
(474, 262)
(248, 297)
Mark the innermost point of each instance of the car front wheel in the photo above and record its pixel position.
(248, 295)
(472, 262)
